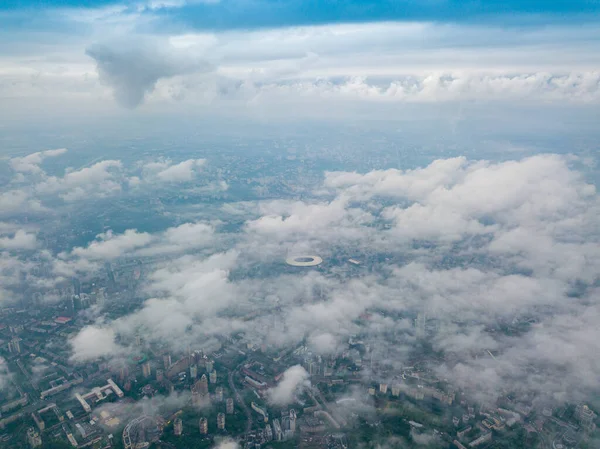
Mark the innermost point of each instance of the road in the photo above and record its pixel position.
(239, 399)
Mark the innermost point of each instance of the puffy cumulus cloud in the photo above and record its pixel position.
(450, 199)
(15, 277)
(94, 342)
(413, 184)
(110, 246)
(20, 240)
(293, 382)
(506, 245)
(184, 171)
(197, 282)
(183, 238)
(167, 171)
(132, 68)
(323, 343)
(227, 444)
(18, 201)
(100, 179)
(354, 96)
(186, 297)
(174, 241)
(303, 227)
(31, 163)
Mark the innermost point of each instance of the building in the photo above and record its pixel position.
(14, 347)
(200, 391)
(277, 432)
(160, 375)
(146, 370)
(33, 438)
(209, 364)
(371, 391)
(203, 425)
(260, 411)
(221, 421)
(213, 377)
(167, 361)
(268, 433)
(462, 432)
(178, 426)
(383, 388)
(313, 368)
(293, 421)
(123, 373)
(202, 385)
(219, 394)
(59, 388)
(229, 406)
(586, 417)
(395, 390)
(482, 439)
(98, 394)
(196, 398)
(193, 371)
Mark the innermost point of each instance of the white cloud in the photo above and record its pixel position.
(109, 246)
(268, 70)
(165, 170)
(20, 240)
(293, 382)
(99, 180)
(323, 343)
(94, 342)
(507, 241)
(227, 444)
(184, 171)
(31, 163)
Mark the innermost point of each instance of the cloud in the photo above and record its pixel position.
(109, 246)
(265, 71)
(227, 444)
(20, 240)
(323, 343)
(94, 342)
(31, 163)
(99, 180)
(513, 243)
(166, 171)
(132, 68)
(18, 201)
(185, 298)
(294, 380)
(180, 172)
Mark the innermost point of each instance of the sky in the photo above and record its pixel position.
(243, 57)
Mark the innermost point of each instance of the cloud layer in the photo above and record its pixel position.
(469, 247)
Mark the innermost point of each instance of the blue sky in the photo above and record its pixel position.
(234, 14)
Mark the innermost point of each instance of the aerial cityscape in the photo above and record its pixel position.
(250, 224)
